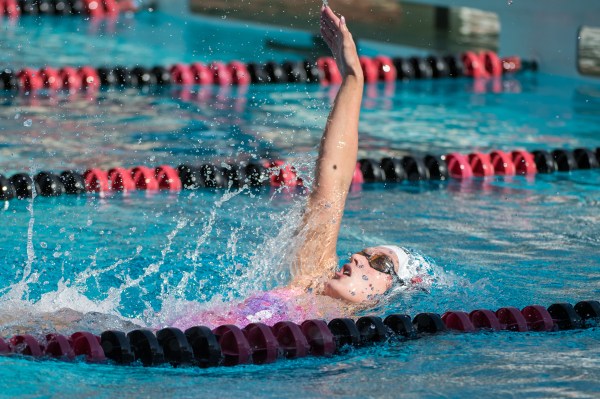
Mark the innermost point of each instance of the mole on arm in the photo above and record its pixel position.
(334, 167)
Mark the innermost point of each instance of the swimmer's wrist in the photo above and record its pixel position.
(354, 76)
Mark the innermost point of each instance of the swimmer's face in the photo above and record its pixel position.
(357, 281)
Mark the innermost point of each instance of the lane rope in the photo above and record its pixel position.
(280, 173)
(257, 343)
(91, 8)
(324, 70)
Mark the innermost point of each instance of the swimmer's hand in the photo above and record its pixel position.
(340, 42)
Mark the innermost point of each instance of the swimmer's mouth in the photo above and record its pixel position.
(345, 271)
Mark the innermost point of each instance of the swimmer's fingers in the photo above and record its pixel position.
(333, 31)
(330, 18)
(328, 36)
(327, 25)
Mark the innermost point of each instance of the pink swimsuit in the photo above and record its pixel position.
(265, 307)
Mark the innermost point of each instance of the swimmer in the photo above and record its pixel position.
(318, 289)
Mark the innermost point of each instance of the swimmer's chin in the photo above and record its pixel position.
(331, 291)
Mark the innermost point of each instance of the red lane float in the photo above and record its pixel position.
(474, 65)
(239, 73)
(458, 321)
(70, 78)
(369, 68)
(492, 63)
(88, 345)
(538, 318)
(524, 162)
(89, 78)
(512, 319)
(26, 345)
(111, 7)
(94, 8)
(201, 73)
(458, 166)
(30, 79)
(221, 74)
(319, 337)
(96, 180)
(234, 345)
(58, 346)
(511, 64)
(51, 78)
(481, 164)
(385, 68)
(357, 177)
(168, 178)
(10, 8)
(144, 178)
(264, 345)
(485, 319)
(282, 174)
(121, 180)
(503, 164)
(182, 74)
(291, 340)
(331, 73)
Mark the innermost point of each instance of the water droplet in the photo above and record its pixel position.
(27, 123)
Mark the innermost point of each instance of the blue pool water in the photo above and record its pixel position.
(140, 257)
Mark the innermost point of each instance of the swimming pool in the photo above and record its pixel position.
(499, 242)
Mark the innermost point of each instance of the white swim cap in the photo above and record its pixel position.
(403, 256)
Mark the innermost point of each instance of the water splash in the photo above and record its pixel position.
(270, 266)
(208, 227)
(106, 288)
(152, 269)
(91, 272)
(20, 290)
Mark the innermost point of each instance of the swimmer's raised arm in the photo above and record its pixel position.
(316, 259)
(339, 144)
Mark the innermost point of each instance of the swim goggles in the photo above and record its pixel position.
(382, 263)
